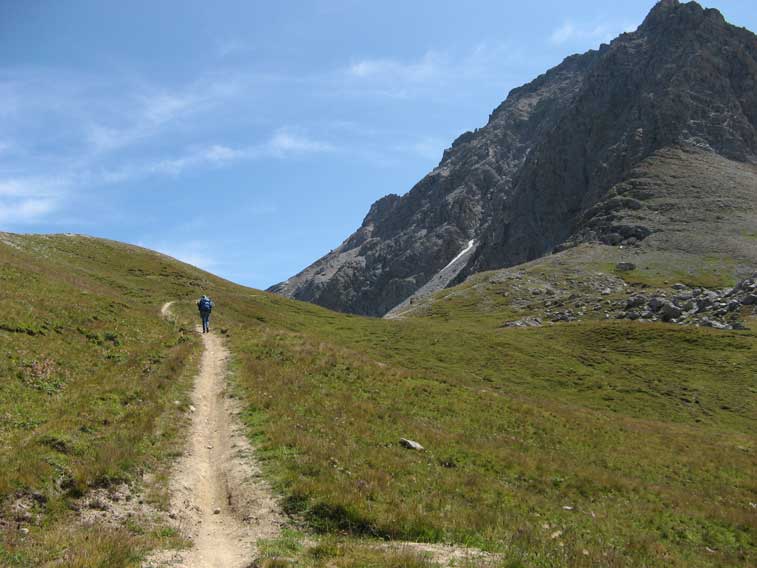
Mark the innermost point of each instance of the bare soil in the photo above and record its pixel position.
(219, 501)
(218, 497)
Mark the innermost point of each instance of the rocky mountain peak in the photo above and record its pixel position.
(381, 209)
(547, 170)
(688, 13)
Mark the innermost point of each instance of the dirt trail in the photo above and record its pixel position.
(217, 494)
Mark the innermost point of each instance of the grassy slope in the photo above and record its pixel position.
(645, 431)
(89, 375)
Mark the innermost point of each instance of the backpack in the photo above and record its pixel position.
(205, 304)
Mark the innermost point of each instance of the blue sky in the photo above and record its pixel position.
(249, 138)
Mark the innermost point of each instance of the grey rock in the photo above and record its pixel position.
(625, 266)
(526, 322)
(670, 311)
(704, 303)
(715, 324)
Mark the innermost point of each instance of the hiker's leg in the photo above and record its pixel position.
(207, 322)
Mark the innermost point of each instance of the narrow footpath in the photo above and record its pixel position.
(218, 496)
(219, 499)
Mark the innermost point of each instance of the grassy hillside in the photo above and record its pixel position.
(89, 374)
(581, 444)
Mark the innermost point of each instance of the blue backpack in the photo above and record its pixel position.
(205, 304)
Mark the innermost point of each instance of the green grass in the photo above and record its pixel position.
(594, 443)
(645, 431)
(90, 375)
(295, 549)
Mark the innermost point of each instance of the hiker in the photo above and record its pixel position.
(205, 305)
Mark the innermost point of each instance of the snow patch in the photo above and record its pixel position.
(462, 252)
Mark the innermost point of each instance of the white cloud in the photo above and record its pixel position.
(66, 132)
(149, 113)
(424, 69)
(604, 32)
(428, 148)
(232, 46)
(434, 74)
(29, 200)
(195, 252)
(26, 210)
(285, 142)
(282, 144)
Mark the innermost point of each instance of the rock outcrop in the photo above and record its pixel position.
(584, 153)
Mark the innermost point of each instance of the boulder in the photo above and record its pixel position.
(715, 324)
(670, 311)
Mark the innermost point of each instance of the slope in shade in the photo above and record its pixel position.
(534, 178)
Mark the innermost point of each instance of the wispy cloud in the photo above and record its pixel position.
(283, 143)
(6, 147)
(572, 32)
(87, 131)
(232, 46)
(286, 142)
(82, 132)
(430, 65)
(198, 253)
(148, 113)
(433, 72)
(429, 148)
(25, 201)
(25, 211)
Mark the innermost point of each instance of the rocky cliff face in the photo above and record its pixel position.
(556, 164)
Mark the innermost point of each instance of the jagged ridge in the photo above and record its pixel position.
(547, 170)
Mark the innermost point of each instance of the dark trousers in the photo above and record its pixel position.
(205, 315)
